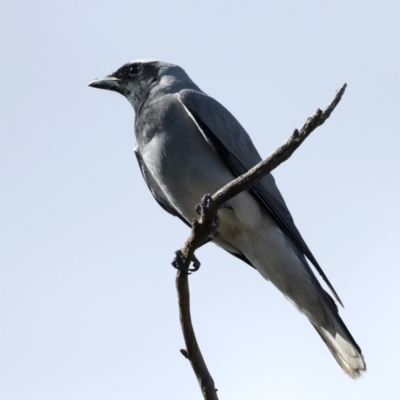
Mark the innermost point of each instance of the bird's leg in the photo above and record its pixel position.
(178, 263)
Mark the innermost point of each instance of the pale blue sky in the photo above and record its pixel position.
(88, 303)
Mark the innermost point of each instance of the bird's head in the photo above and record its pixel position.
(136, 79)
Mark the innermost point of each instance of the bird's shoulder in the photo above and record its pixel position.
(159, 116)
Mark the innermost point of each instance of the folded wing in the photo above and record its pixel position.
(229, 139)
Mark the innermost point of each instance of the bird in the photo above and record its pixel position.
(188, 145)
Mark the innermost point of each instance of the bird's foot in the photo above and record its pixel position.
(216, 222)
(206, 201)
(177, 263)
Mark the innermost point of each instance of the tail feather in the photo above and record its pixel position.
(344, 349)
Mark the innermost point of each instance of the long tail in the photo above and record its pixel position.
(334, 332)
(343, 347)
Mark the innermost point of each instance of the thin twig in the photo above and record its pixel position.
(202, 228)
(193, 352)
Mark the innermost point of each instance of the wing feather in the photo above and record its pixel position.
(229, 139)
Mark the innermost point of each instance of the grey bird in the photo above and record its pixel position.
(189, 145)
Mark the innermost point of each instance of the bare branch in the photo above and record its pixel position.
(280, 155)
(193, 352)
(202, 228)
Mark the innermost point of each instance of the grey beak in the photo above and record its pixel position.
(108, 82)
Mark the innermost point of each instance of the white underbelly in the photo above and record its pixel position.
(188, 169)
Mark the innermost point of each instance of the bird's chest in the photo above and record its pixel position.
(180, 160)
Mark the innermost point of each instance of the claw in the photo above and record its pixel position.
(178, 263)
(198, 208)
(207, 198)
(205, 201)
(196, 264)
(227, 206)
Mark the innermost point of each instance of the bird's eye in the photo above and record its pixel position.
(134, 69)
